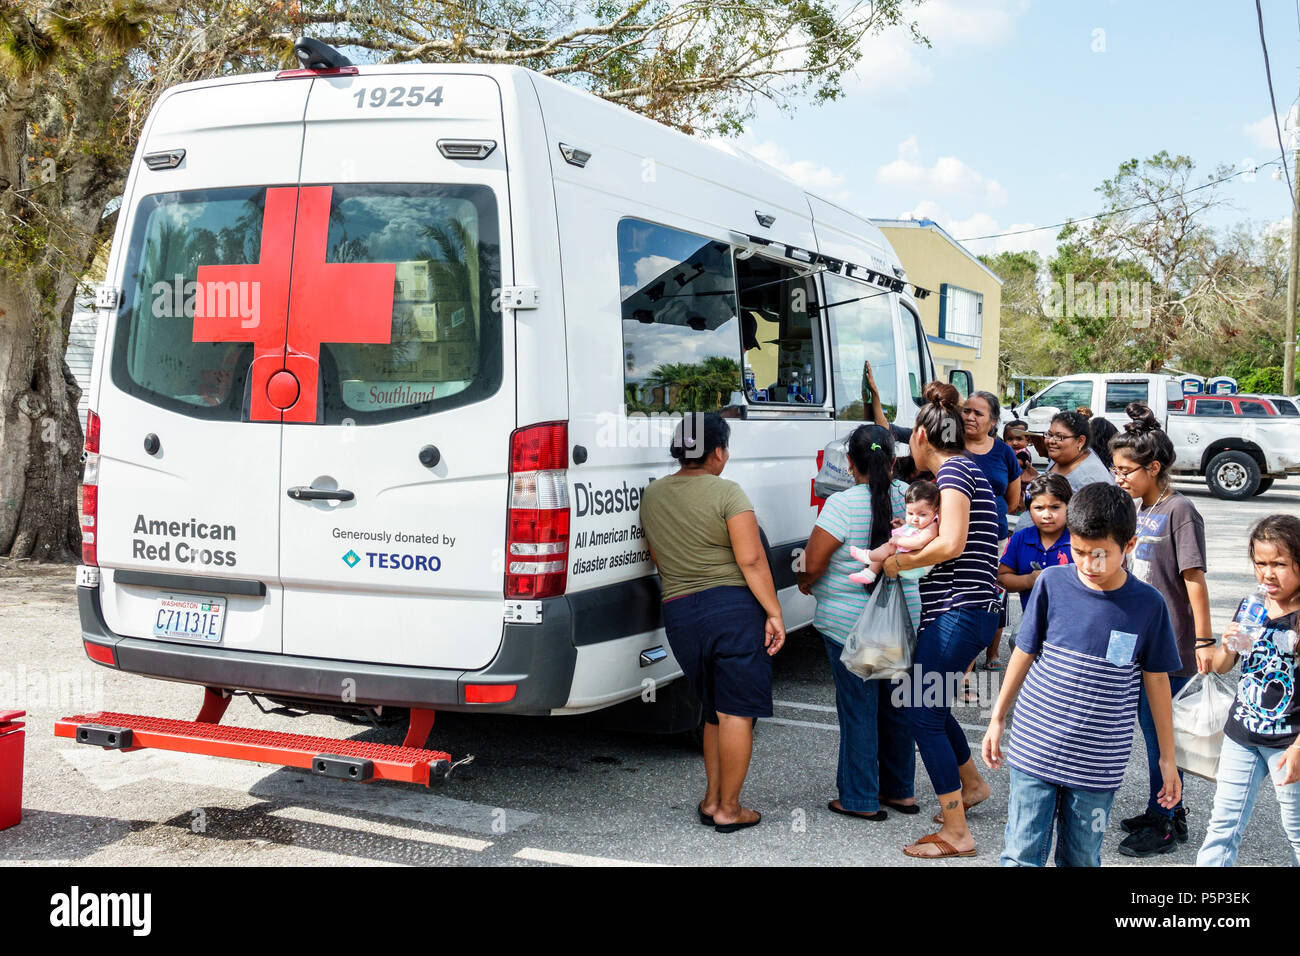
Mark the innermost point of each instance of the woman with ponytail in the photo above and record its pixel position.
(1170, 556)
(959, 614)
(877, 764)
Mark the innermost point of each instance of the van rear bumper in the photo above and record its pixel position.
(538, 658)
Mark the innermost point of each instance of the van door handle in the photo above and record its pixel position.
(301, 493)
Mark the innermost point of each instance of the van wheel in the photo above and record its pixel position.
(1232, 475)
(1264, 485)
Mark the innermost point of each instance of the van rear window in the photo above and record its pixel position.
(444, 342)
(155, 356)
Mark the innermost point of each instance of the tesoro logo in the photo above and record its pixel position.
(394, 561)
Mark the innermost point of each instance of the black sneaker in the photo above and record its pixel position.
(1140, 822)
(1180, 824)
(1156, 838)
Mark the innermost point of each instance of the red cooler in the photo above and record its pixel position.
(11, 768)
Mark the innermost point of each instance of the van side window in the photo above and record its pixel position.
(913, 337)
(779, 333)
(155, 357)
(680, 330)
(444, 347)
(862, 331)
(1119, 394)
(1255, 409)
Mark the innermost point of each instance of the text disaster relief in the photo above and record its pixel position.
(589, 501)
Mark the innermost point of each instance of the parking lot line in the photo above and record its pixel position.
(802, 706)
(573, 859)
(373, 827)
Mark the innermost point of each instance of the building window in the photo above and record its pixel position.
(961, 316)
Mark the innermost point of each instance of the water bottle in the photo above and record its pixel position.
(749, 379)
(794, 387)
(1251, 615)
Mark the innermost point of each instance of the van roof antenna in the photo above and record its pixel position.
(314, 55)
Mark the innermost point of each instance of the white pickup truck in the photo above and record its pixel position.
(1239, 452)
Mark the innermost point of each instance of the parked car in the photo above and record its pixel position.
(1249, 406)
(1240, 452)
(1106, 394)
(1241, 444)
(1286, 404)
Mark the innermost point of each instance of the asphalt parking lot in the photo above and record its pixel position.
(541, 791)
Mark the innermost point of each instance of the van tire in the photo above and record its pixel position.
(1264, 485)
(1233, 476)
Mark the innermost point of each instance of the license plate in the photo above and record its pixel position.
(189, 617)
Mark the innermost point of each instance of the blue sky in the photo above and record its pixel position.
(1023, 107)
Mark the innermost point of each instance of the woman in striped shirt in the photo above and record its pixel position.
(877, 763)
(959, 613)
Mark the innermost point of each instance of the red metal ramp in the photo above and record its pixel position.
(324, 756)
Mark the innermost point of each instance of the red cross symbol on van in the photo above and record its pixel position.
(303, 302)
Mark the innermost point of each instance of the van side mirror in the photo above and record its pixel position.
(961, 379)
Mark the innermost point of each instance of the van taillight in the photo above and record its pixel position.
(537, 531)
(90, 492)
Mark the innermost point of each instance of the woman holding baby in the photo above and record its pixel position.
(877, 763)
(959, 613)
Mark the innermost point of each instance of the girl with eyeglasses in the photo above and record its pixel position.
(1170, 556)
(1067, 443)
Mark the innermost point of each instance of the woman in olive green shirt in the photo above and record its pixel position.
(721, 613)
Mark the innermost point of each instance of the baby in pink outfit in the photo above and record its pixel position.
(922, 527)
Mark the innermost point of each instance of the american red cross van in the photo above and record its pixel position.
(390, 354)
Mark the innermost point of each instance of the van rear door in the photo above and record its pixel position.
(393, 492)
(190, 445)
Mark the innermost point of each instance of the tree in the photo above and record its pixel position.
(1157, 223)
(80, 76)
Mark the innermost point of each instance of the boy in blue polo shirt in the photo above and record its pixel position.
(1041, 545)
(1093, 633)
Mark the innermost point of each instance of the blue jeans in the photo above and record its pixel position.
(1148, 725)
(1080, 817)
(877, 759)
(944, 650)
(1242, 770)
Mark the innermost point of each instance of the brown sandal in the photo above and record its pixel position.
(946, 849)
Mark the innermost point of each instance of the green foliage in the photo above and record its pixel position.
(1264, 381)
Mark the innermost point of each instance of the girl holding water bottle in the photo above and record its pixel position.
(1260, 738)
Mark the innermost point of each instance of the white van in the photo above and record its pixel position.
(387, 363)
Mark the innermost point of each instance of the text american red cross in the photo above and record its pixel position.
(305, 301)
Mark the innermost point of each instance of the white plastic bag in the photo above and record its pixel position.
(1200, 713)
(834, 474)
(883, 640)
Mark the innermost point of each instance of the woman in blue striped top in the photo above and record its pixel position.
(877, 763)
(959, 613)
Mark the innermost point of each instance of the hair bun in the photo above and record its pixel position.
(944, 395)
(1143, 419)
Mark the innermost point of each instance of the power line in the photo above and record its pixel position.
(1259, 14)
(1115, 212)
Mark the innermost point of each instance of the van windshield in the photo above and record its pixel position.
(442, 348)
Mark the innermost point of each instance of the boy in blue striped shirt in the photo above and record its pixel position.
(1093, 633)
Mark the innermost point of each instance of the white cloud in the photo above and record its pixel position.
(810, 175)
(1263, 134)
(948, 176)
(891, 61)
(1042, 241)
